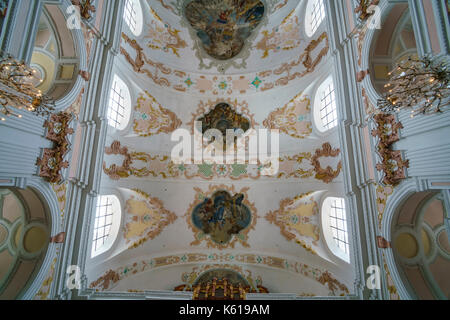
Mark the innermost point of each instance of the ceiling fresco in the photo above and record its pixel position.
(198, 220)
(223, 117)
(222, 215)
(223, 26)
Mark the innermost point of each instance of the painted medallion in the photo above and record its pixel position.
(223, 25)
(223, 117)
(221, 216)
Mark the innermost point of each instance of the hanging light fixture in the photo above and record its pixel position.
(18, 91)
(421, 85)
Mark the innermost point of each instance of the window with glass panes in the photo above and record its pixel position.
(116, 111)
(317, 15)
(338, 224)
(103, 221)
(328, 109)
(130, 15)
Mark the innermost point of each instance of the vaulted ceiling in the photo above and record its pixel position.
(275, 236)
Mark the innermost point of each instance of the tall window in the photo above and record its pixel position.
(318, 14)
(338, 224)
(119, 104)
(334, 220)
(132, 15)
(328, 110)
(315, 14)
(107, 214)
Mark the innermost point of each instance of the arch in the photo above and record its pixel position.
(133, 17)
(421, 259)
(389, 50)
(59, 55)
(26, 224)
(368, 42)
(314, 16)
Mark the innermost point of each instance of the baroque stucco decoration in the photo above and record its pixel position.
(52, 161)
(146, 218)
(293, 119)
(285, 37)
(163, 37)
(300, 166)
(298, 219)
(221, 217)
(195, 83)
(392, 163)
(383, 194)
(327, 175)
(86, 7)
(110, 278)
(155, 165)
(151, 118)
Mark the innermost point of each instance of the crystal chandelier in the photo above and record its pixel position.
(18, 91)
(421, 85)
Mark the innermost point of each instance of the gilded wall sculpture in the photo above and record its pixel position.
(52, 161)
(86, 7)
(392, 163)
(327, 174)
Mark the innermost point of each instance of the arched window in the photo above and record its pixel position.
(334, 220)
(119, 104)
(133, 16)
(325, 108)
(315, 14)
(106, 225)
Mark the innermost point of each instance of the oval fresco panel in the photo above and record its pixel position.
(222, 215)
(223, 25)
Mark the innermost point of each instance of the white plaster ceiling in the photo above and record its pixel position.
(178, 193)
